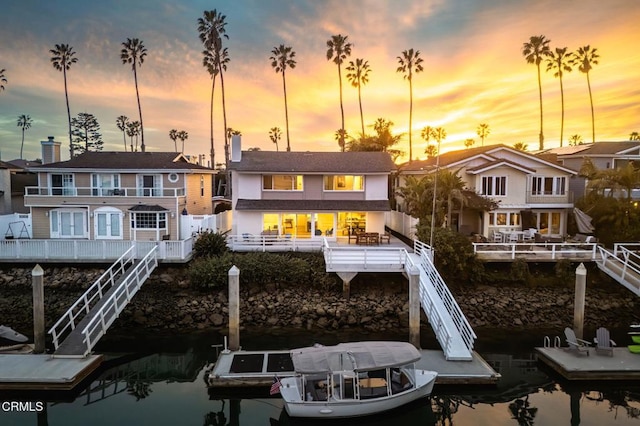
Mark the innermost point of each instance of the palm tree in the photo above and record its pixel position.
(275, 134)
(410, 63)
(520, 146)
(575, 140)
(211, 29)
(3, 79)
(358, 75)
(338, 49)
(559, 63)
(281, 59)
(451, 187)
(183, 136)
(173, 135)
(585, 58)
(133, 52)
(483, 131)
(634, 136)
(534, 51)
(63, 57)
(431, 150)
(341, 136)
(468, 143)
(24, 122)
(133, 129)
(121, 122)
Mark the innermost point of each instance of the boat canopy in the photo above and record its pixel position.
(358, 356)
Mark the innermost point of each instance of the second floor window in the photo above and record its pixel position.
(542, 185)
(105, 184)
(149, 185)
(282, 182)
(62, 184)
(494, 185)
(344, 183)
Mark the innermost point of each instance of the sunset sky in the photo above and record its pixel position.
(474, 71)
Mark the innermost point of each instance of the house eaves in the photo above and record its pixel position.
(312, 205)
(499, 163)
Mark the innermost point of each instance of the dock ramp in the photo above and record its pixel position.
(622, 264)
(79, 329)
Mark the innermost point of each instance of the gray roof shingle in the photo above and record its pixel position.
(314, 162)
(114, 160)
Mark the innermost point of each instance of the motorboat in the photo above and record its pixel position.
(354, 379)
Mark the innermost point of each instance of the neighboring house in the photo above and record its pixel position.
(531, 192)
(603, 155)
(14, 177)
(309, 194)
(117, 195)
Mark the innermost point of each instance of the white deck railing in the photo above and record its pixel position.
(90, 250)
(83, 305)
(364, 258)
(543, 251)
(250, 242)
(623, 265)
(111, 309)
(77, 191)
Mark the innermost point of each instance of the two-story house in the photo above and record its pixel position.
(531, 192)
(309, 194)
(117, 195)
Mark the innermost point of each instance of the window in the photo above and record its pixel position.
(173, 177)
(202, 185)
(282, 182)
(149, 185)
(107, 223)
(148, 220)
(62, 184)
(105, 184)
(548, 185)
(504, 219)
(68, 223)
(494, 185)
(344, 183)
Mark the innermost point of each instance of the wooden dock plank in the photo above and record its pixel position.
(43, 372)
(623, 365)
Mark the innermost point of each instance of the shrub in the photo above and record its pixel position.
(519, 271)
(210, 243)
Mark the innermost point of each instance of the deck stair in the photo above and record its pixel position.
(79, 329)
(453, 331)
(622, 264)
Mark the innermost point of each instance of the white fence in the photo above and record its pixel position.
(401, 223)
(193, 224)
(16, 225)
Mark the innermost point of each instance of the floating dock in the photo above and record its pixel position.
(258, 368)
(623, 365)
(31, 372)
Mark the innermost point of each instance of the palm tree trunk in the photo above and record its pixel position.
(212, 153)
(286, 111)
(227, 190)
(135, 79)
(562, 119)
(22, 144)
(593, 122)
(66, 95)
(341, 107)
(411, 118)
(361, 115)
(124, 139)
(540, 94)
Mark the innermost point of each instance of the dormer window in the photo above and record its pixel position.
(282, 182)
(344, 183)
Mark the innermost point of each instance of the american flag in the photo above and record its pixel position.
(275, 387)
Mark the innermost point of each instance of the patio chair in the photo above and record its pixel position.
(603, 341)
(385, 237)
(528, 236)
(578, 345)
(513, 237)
(497, 237)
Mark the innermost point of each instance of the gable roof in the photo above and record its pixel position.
(597, 149)
(497, 163)
(115, 160)
(314, 162)
(487, 153)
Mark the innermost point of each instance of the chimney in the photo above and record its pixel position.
(50, 151)
(236, 148)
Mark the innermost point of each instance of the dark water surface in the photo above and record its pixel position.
(159, 380)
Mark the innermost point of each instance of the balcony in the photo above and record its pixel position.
(48, 191)
(565, 198)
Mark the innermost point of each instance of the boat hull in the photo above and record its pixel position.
(345, 408)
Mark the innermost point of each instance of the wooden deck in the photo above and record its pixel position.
(43, 373)
(536, 252)
(623, 365)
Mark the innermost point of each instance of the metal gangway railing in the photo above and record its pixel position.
(86, 333)
(622, 264)
(451, 327)
(70, 319)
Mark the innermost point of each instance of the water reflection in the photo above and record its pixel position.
(169, 388)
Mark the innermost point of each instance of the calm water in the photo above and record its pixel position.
(160, 381)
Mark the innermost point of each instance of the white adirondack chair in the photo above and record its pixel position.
(578, 345)
(603, 341)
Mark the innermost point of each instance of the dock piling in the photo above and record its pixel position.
(578, 305)
(37, 282)
(414, 307)
(234, 308)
